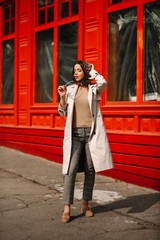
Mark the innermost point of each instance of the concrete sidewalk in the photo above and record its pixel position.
(30, 204)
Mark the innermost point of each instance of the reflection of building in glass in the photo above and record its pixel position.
(41, 39)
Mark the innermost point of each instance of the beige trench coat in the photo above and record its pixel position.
(98, 142)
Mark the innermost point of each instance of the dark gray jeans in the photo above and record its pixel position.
(79, 141)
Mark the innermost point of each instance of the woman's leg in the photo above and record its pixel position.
(88, 183)
(69, 179)
(89, 176)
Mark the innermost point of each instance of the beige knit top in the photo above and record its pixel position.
(82, 114)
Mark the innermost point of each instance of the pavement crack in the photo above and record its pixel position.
(21, 200)
(31, 180)
(142, 222)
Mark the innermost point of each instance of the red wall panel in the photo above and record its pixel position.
(24, 62)
(135, 159)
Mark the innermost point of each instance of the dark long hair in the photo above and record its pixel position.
(86, 67)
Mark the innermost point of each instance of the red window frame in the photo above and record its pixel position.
(10, 19)
(9, 108)
(70, 8)
(44, 8)
(109, 8)
(54, 24)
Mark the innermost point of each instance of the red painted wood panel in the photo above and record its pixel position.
(31, 150)
(135, 160)
(24, 62)
(93, 22)
(141, 171)
(48, 144)
(33, 139)
(32, 131)
(7, 119)
(55, 150)
(41, 120)
(135, 149)
(135, 179)
(150, 124)
(151, 140)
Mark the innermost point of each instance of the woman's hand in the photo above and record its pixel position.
(62, 91)
(92, 66)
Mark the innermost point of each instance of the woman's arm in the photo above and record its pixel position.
(62, 108)
(100, 81)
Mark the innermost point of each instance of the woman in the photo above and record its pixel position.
(85, 146)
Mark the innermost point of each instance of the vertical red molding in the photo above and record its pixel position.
(33, 24)
(140, 52)
(16, 53)
(24, 67)
(94, 36)
(52, 121)
(55, 53)
(80, 30)
(137, 123)
(55, 65)
(0, 52)
(105, 48)
(93, 32)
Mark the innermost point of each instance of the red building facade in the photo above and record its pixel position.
(39, 42)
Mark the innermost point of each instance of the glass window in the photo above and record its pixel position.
(116, 1)
(67, 51)
(50, 14)
(6, 13)
(44, 66)
(41, 17)
(45, 11)
(65, 10)
(12, 26)
(7, 71)
(6, 28)
(50, 2)
(13, 11)
(41, 3)
(68, 8)
(9, 19)
(122, 55)
(74, 7)
(151, 79)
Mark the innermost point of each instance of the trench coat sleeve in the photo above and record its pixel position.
(62, 110)
(100, 81)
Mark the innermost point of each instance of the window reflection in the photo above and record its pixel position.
(6, 28)
(50, 14)
(116, 1)
(65, 10)
(67, 51)
(7, 71)
(44, 67)
(74, 7)
(7, 13)
(151, 79)
(50, 2)
(12, 26)
(122, 55)
(13, 11)
(41, 3)
(41, 17)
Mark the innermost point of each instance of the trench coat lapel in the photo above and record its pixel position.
(73, 90)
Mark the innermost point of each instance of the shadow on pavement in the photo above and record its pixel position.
(137, 204)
